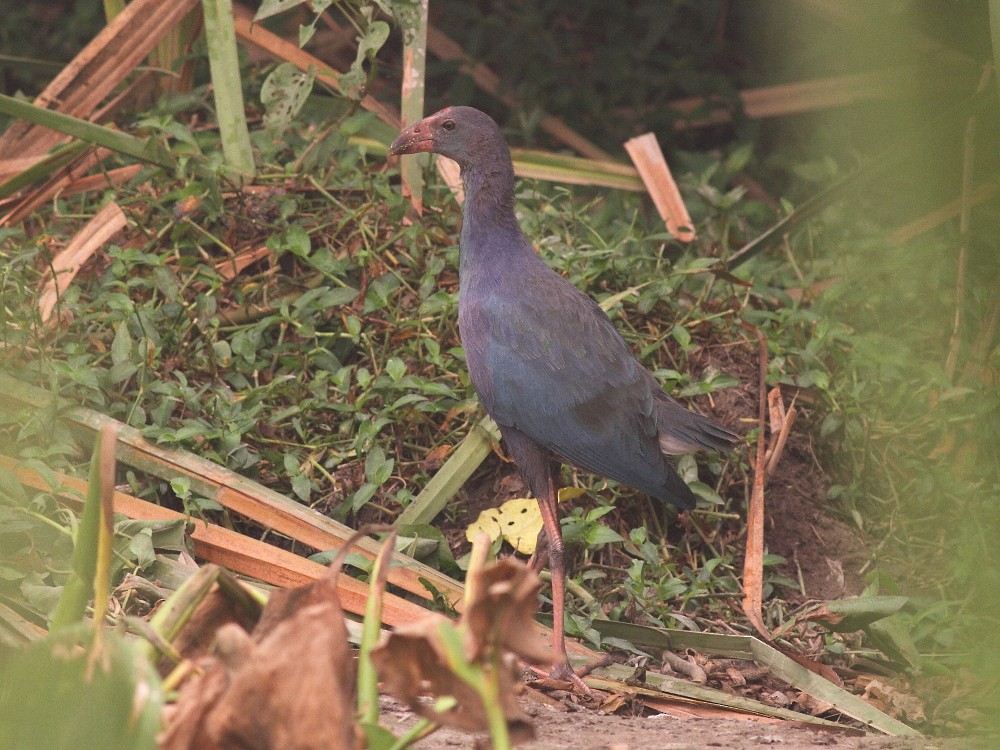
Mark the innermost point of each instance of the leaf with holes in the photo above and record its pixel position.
(283, 93)
(352, 83)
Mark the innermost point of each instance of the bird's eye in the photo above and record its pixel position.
(448, 124)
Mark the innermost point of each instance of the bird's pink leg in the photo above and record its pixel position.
(541, 555)
(557, 565)
(539, 473)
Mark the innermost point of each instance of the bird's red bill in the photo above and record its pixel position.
(409, 142)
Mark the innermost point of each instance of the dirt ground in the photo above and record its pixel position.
(583, 729)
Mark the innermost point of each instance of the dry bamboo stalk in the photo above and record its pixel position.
(939, 216)
(111, 178)
(263, 561)
(238, 493)
(236, 552)
(44, 192)
(66, 264)
(648, 159)
(451, 173)
(687, 709)
(804, 96)
(277, 47)
(97, 70)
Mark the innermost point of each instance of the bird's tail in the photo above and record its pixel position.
(684, 431)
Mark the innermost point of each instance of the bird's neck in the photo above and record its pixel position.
(489, 193)
(491, 236)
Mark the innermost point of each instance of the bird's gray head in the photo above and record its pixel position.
(461, 133)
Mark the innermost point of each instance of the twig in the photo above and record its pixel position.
(781, 426)
(753, 561)
(968, 157)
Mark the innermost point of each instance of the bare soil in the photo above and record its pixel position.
(581, 729)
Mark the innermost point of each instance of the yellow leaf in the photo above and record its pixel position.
(571, 493)
(488, 523)
(517, 520)
(520, 522)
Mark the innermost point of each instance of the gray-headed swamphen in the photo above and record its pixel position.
(547, 363)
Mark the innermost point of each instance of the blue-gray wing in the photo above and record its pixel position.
(546, 360)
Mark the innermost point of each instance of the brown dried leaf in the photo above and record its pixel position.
(780, 427)
(289, 687)
(614, 703)
(503, 608)
(185, 728)
(894, 701)
(812, 704)
(414, 661)
(735, 677)
(196, 639)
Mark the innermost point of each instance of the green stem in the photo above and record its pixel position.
(227, 87)
(123, 143)
(490, 692)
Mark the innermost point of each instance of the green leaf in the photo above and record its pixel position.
(599, 512)
(681, 336)
(352, 83)
(353, 327)
(52, 698)
(306, 32)
(600, 534)
(141, 548)
(181, 487)
(297, 241)
(79, 586)
(121, 345)
(270, 8)
(378, 468)
(11, 491)
(378, 737)
(365, 493)
(115, 140)
(302, 486)
(244, 345)
(395, 368)
(283, 94)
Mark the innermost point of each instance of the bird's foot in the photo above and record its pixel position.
(563, 672)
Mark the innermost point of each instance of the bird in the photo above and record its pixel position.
(546, 362)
